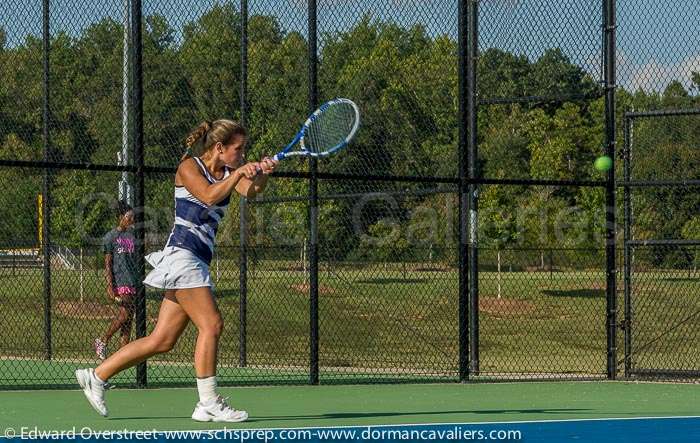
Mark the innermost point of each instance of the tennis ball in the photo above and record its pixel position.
(603, 163)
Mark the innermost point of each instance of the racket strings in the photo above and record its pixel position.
(330, 128)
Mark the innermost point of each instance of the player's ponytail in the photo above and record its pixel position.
(210, 133)
(200, 132)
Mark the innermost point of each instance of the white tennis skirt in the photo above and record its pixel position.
(177, 268)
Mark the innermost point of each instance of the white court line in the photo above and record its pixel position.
(444, 424)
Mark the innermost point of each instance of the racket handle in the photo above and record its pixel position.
(276, 157)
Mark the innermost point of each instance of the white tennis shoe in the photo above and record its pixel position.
(219, 411)
(93, 389)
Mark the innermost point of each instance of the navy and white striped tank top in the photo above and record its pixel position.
(196, 222)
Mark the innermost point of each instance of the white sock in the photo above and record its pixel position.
(98, 379)
(207, 389)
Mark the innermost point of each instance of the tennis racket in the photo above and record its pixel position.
(328, 130)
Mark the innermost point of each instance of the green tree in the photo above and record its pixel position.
(82, 214)
(18, 201)
(169, 108)
(502, 74)
(561, 146)
(210, 57)
(554, 74)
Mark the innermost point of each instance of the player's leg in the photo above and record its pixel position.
(172, 320)
(200, 306)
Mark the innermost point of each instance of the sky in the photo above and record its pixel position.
(657, 39)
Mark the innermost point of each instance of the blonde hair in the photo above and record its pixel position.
(209, 133)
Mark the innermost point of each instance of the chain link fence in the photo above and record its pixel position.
(464, 235)
(661, 205)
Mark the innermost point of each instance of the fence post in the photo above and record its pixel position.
(472, 54)
(46, 200)
(627, 257)
(243, 285)
(610, 85)
(139, 195)
(463, 253)
(243, 204)
(313, 204)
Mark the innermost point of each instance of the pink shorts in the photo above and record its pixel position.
(125, 294)
(125, 290)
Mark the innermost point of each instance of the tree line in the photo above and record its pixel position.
(405, 81)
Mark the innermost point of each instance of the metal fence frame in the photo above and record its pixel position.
(629, 185)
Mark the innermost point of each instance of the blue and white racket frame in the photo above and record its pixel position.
(299, 137)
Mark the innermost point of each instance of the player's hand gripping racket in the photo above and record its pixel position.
(328, 130)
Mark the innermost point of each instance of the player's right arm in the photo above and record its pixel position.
(189, 175)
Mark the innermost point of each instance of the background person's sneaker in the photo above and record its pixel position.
(100, 349)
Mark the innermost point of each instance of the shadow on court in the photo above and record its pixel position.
(172, 417)
(341, 415)
(346, 415)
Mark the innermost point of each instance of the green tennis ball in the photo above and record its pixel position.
(603, 163)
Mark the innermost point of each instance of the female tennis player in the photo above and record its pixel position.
(203, 186)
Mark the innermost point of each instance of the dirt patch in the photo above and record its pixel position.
(303, 288)
(86, 310)
(503, 307)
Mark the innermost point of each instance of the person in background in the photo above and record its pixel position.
(121, 277)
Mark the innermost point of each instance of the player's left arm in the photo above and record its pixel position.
(251, 187)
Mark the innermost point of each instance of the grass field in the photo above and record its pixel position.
(391, 321)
